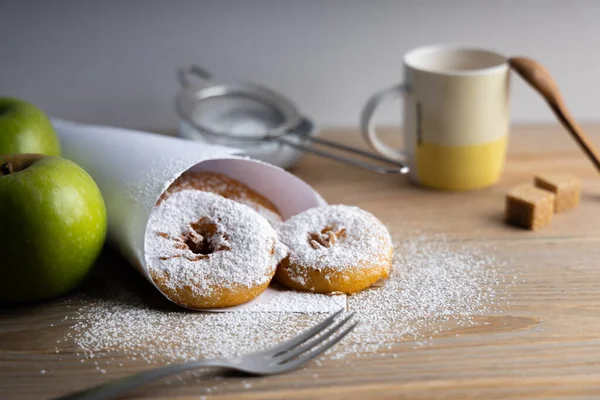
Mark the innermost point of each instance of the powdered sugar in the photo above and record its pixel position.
(436, 285)
(245, 247)
(125, 324)
(364, 238)
(279, 299)
(272, 217)
(226, 187)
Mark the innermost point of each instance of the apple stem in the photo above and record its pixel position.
(6, 168)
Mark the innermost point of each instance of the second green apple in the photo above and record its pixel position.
(24, 128)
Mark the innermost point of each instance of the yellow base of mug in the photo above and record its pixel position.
(460, 168)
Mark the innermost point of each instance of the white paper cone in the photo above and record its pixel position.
(132, 169)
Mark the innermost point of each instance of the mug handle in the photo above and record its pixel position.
(367, 124)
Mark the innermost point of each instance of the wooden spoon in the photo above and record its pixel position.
(540, 79)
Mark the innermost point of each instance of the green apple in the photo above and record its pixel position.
(52, 226)
(24, 128)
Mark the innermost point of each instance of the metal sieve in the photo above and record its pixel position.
(252, 116)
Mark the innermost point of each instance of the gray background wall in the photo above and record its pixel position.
(113, 61)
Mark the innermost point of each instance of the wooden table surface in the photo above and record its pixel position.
(545, 343)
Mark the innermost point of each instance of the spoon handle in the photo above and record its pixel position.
(567, 120)
(540, 79)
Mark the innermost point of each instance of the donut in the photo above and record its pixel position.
(334, 249)
(226, 187)
(205, 251)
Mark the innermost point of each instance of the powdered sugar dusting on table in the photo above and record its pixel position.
(436, 285)
(249, 260)
(434, 282)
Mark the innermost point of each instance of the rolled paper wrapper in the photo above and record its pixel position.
(132, 169)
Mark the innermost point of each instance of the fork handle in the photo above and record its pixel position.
(113, 388)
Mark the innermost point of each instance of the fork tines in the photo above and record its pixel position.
(312, 343)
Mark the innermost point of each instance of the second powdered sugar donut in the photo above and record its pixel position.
(334, 249)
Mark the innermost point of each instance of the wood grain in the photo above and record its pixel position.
(544, 344)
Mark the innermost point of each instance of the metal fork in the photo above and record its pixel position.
(284, 357)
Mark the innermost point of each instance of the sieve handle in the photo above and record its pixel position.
(393, 167)
(195, 71)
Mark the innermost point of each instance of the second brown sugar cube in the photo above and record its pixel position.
(565, 187)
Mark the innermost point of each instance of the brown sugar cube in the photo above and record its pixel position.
(565, 187)
(529, 207)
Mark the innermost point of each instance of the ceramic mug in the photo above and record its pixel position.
(456, 117)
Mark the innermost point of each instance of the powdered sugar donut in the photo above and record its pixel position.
(206, 251)
(334, 249)
(226, 187)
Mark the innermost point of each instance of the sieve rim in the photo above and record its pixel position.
(191, 96)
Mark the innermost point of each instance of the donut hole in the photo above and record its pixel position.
(326, 237)
(204, 238)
